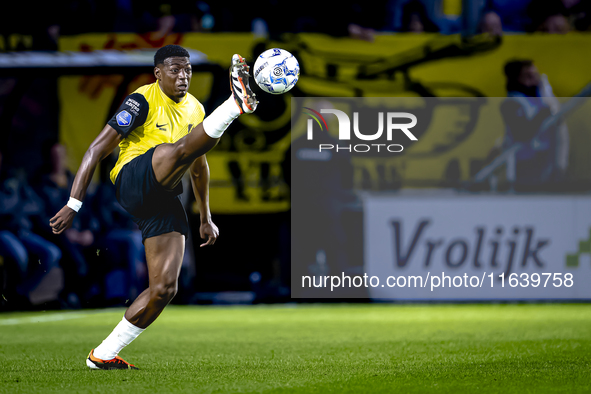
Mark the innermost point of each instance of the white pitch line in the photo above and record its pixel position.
(41, 319)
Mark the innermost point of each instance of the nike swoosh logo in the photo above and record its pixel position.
(161, 125)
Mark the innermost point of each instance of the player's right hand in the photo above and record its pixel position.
(62, 220)
(210, 232)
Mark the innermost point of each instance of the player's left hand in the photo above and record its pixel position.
(210, 232)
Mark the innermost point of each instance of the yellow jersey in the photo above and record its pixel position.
(148, 118)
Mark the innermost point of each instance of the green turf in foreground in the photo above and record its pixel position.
(309, 349)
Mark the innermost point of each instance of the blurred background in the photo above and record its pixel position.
(66, 66)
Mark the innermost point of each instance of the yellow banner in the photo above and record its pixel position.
(247, 166)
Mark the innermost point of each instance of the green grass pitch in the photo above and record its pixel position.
(524, 348)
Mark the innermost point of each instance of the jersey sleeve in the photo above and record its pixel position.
(130, 115)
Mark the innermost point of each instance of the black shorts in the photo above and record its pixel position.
(156, 210)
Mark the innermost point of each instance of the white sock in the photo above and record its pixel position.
(122, 335)
(218, 121)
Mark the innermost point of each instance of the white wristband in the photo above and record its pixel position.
(74, 204)
(218, 121)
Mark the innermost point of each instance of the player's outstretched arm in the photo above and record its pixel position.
(200, 180)
(101, 147)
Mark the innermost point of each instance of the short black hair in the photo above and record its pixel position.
(169, 51)
(513, 70)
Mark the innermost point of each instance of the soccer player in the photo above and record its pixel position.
(162, 133)
(543, 158)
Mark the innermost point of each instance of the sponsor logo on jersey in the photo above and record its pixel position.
(133, 105)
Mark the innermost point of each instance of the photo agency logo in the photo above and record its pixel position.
(359, 138)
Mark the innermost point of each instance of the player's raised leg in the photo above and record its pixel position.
(171, 161)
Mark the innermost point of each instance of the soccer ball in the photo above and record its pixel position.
(276, 71)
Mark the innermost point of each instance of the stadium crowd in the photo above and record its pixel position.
(100, 260)
(357, 19)
(103, 246)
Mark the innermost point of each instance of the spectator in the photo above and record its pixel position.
(549, 16)
(544, 155)
(356, 19)
(121, 251)
(163, 18)
(77, 241)
(415, 18)
(581, 15)
(513, 14)
(398, 15)
(35, 261)
(491, 24)
(578, 13)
